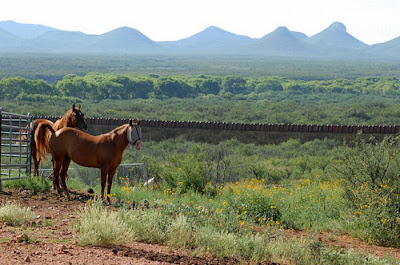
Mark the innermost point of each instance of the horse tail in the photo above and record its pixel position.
(42, 138)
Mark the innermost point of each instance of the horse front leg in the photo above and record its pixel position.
(111, 173)
(63, 174)
(103, 181)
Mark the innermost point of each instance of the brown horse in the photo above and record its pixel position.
(72, 118)
(102, 151)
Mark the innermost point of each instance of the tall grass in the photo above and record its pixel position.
(99, 227)
(150, 225)
(15, 215)
(36, 184)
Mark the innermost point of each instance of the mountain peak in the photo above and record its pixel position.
(281, 41)
(213, 28)
(125, 36)
(282, 29)
(337, 26)
(336, 37)
(211, 39)
(24, 31)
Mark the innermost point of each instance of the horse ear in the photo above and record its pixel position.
(79, 105)
(73, 106)
(138, 123)
(130, 122)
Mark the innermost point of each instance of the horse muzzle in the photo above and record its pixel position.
(138, 145)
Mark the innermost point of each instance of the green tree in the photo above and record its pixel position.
(171, 87)
(11, 87)
(74, 86)
(269, 84)
(233, 84)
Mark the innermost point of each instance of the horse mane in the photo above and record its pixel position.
(64, 118)
(119, 128)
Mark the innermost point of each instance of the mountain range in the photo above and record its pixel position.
(333, 42)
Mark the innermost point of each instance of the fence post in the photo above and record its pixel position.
(1, 123)
(144, 177)
(29, 148)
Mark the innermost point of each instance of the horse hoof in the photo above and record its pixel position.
(106, 202)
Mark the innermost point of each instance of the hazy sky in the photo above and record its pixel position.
(371, 21)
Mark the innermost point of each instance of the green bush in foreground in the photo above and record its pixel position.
(15, 215)
(36, 184)
(99, 227)
(372, 182)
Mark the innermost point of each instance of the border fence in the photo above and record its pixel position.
(15, 148)
(367, 129)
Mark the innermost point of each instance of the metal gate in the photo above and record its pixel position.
(126, 174)
(15, 149)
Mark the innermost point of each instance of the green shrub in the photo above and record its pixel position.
(99, 227)
(146, 225)
(180, 233)
(189, 171)
(224, 244)
(36, 184)
(371, 170)
(15, 215)
(256, 206)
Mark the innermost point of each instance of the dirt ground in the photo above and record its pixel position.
(51, 241)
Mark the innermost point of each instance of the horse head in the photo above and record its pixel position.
(77, 118)
(134, 134)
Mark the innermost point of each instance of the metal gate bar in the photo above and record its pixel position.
(15, 147)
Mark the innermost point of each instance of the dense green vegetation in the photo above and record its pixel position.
(96, 87)
(229, 187)
(365, 101)
(53, 67)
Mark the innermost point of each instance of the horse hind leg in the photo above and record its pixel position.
(36, 171)
(52, 177)
(36, 161)
(63, 174)
(56, 175)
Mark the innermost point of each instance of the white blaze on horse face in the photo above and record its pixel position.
(133, 135)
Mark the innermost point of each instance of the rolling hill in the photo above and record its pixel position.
(282, 42)
(210, 40)
(24, 31)
(390, 48)
(336, 37)
(332, 42)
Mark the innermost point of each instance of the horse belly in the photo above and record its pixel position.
(85, 158)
